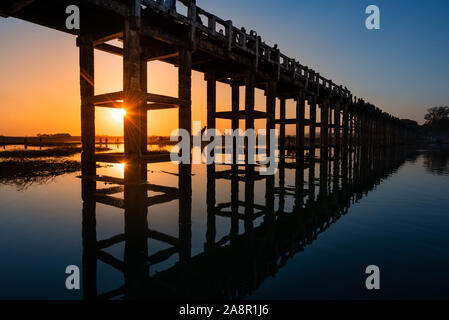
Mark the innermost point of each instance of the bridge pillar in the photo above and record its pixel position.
(134, 98)
(211, 101)
(312, 146)
(312, 127)
(299, 177)
(324, 132)
(235, 97)
(86, 61)
(249, 107)
(271, 111)
(300, 114)
(143, 109)
(185, 170)
(282, 131)
(337, 128)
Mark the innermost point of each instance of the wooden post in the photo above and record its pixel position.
(282, 131)
(312, 147)
(185, 83)
(271, 110)
(345, 125)
(132, 83)
(211, 100)
(300, 114)
(86, 60)
(185, 170)
(324, 127)
(136, 228)
(337, 128)
(249, 106)
(299, 174)
(235, 121)
(210, 205)
(312, 130)
(143, 110)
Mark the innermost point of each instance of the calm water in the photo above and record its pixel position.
(395, 214)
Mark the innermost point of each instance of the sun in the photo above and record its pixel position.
(118, 114)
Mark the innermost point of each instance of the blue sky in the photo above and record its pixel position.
(402, 68)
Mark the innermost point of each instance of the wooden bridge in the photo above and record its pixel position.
(352, 136)
(180, 33)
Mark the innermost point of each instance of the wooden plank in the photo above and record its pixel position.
(161, 106)
(101, 40)
(18, 5)
(151, 97)
(110, 49)
(163, 237)
(106, 97)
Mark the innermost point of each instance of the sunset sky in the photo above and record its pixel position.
(402, 68)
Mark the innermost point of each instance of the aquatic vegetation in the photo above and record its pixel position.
(54, 152)
(23, 173)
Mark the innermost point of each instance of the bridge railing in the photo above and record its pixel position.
(188, 13)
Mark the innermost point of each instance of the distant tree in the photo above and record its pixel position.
(436, 114)
(437, 121)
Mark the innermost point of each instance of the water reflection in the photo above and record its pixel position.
(437, 161)
(232, 266)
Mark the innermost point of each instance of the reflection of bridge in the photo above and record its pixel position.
(235, 265)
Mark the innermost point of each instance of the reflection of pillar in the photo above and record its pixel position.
(185, 211)
(86, 60)
(269, 199)
(281, 187)
(351, 127)
(89, 236)
(249, 197)
(136, 228)
(210, 204)
(234, 201)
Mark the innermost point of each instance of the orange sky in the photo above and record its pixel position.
(39, 87)
(41, 91)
